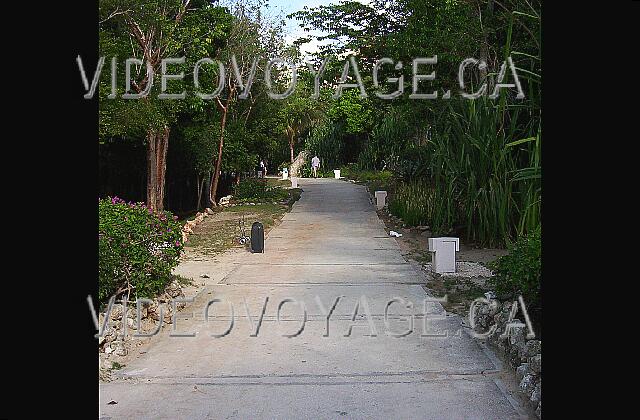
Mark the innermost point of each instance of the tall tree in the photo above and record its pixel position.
(150, 31)
(251, 38)
(150, 27)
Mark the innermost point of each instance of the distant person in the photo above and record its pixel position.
(261, 173)
(315, 164)
(265, 168)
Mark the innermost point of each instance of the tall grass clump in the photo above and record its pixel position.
(480, 169)
(482, 159)
(418, 203)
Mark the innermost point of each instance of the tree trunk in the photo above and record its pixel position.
(157, 146)
(152, 173)
(199, 186)
(216, 173)
(291, 140)
(207, 184)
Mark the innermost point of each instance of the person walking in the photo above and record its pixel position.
(315, 164)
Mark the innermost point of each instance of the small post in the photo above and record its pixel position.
(443, 251)
(381, 198)
(294, 182)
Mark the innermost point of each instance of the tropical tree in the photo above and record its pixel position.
(148, 31)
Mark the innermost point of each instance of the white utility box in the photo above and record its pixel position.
(443, 254)
(285, 173)
(336, 173)
(381, 199)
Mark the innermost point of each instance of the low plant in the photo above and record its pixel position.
(519, 272)
(138, 249)
(258, 189)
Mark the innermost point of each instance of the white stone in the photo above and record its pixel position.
(294, 182)
(381, 198)
(336, 173)
(444, 254)
(224, 201)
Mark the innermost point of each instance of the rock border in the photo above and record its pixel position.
(524, 355)
(117, 340)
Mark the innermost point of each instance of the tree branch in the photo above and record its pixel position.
(114, 14)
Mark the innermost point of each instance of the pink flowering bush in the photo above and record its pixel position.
(138, 249)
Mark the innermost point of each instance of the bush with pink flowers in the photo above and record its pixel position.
(138, 249)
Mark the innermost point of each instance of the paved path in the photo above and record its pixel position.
(331, 244)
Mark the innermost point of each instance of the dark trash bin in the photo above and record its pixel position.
(257, 237)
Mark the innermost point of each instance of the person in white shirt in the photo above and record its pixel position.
(315, 164)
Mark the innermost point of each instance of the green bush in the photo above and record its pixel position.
(352, 171)
(519, 272)
(257, 189)
(138, 248)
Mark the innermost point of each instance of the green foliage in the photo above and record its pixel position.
(298, 113)
(473, 171)
(389, 139)
(352, 111)
(258, 190)
(354, 172)
(325, 141)
(236, 155)
(519, 273)
(138, 248)
(196, 142)
(127, 29)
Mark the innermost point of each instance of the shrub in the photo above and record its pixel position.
(352, 171)
(257, 189)
(519, 272)
(138, 248)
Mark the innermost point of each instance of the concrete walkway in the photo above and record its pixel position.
(330, 245)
